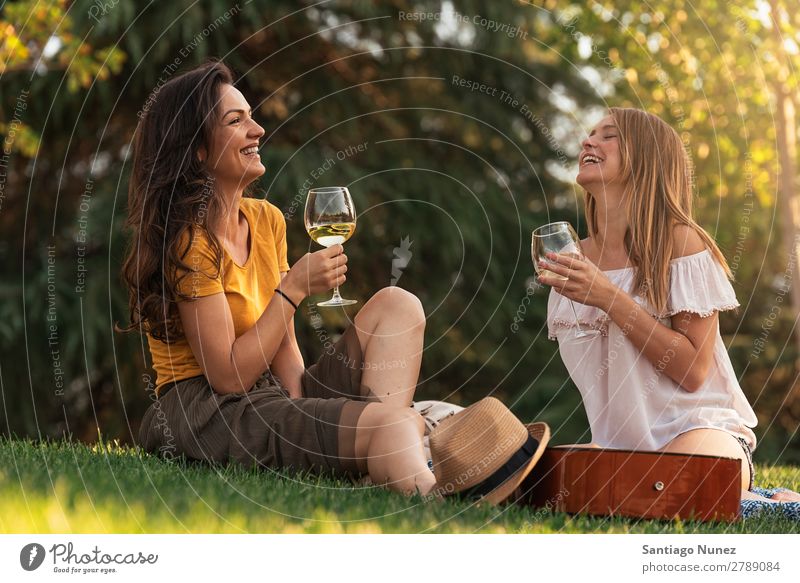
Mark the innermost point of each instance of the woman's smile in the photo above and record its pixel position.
(251, 151)
(589, 158)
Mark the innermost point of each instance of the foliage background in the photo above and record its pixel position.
(464, 175)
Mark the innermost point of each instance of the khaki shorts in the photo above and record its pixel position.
(264, 426)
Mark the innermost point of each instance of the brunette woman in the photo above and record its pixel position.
(211, 286)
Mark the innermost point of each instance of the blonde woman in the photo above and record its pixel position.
(658, 377)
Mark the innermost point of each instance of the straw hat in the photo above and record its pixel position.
(485, 452)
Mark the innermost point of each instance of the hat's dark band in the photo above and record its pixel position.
(521, 457)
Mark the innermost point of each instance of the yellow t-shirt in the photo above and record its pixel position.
(248, 288)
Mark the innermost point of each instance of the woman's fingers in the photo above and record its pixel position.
(575, 277)
(554, 267)
(555, 282)
(570, 260)
(332, 251)
(336, 275)
(336, 263)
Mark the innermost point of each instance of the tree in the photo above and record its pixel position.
(440, 126)
(724, 75)
(784, 84)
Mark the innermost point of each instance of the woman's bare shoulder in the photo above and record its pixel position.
(686, 241)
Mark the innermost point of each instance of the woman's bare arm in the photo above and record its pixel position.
(288, 363)
(684, 353)
(234, 364)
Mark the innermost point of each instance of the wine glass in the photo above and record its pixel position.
(558, 237)
(330, 219)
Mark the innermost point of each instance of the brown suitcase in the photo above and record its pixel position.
(615, 482)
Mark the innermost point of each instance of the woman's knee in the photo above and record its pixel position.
(396, 300)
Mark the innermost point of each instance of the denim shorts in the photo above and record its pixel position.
(749, 453)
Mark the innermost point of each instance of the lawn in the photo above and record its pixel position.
(68, 487)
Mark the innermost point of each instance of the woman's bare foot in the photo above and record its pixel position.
(747, 495)
(783, 496)
(786, 496)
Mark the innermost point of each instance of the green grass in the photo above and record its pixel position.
(68, 487)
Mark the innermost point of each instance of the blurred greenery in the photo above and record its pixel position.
(464, 175)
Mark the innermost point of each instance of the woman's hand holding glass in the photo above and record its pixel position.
(316, 273)
(546, 241)
(584, 283)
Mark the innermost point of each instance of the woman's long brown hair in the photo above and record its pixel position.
(657, 197)
(170, 195)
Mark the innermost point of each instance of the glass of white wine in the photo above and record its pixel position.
(330, 219)
(558, 237)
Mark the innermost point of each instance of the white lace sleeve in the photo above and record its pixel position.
(698, 284)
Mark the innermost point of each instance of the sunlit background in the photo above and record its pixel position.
(454, 124)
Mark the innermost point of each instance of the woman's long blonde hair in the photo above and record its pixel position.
(657, 197)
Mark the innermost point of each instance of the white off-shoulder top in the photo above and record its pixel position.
(629, 403)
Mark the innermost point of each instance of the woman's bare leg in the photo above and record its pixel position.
(721, 443)
(747, 495)
(391, 329)
(389, 447)
(708, 441)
